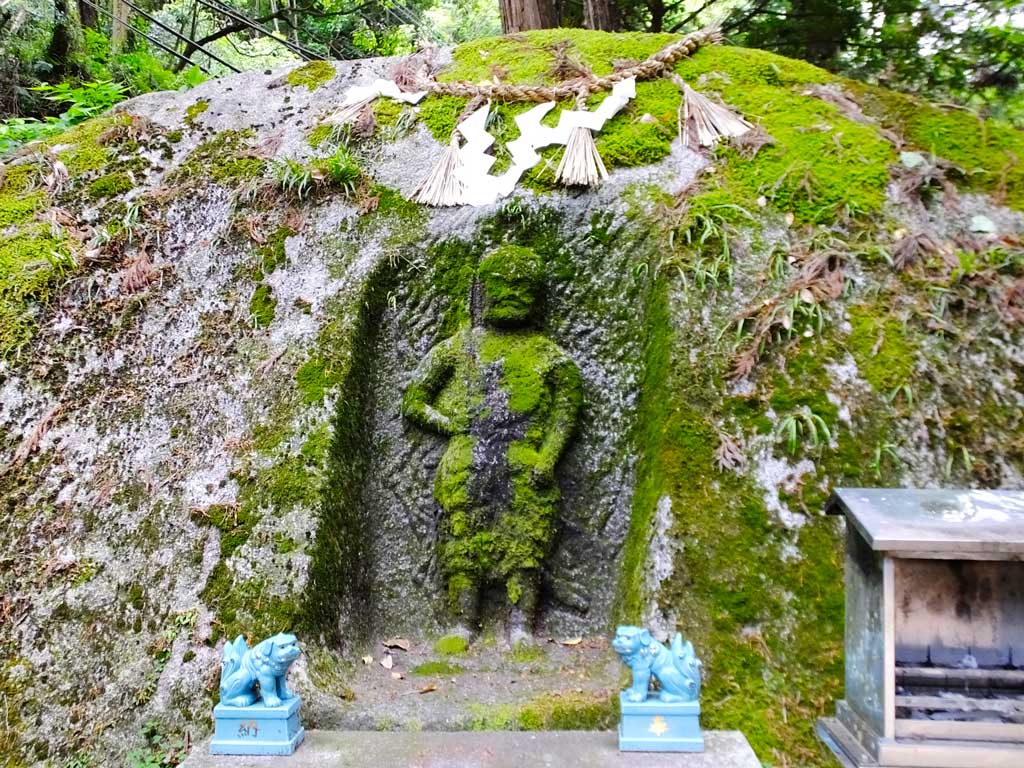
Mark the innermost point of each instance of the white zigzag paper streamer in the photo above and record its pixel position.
(479, 186)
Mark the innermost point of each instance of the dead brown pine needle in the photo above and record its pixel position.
(139, 273)
(821, 279)
(31, 442)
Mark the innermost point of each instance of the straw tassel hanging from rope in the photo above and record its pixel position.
(359, 97)
(581, 164)
(443, 186)
(704, 122)
(452, 180)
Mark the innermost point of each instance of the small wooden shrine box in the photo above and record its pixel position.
(934, 630)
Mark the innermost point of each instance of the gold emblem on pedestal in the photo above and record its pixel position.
(658, 726)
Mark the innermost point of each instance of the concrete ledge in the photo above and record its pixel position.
(487, 749)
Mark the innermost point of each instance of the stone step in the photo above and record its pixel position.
(483, 749)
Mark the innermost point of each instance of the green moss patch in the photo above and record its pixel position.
(193, 112)
(312, 75)
(109, 186)
(804, 384)
(34, 256)
(86, 152)
(271, 254)
(262, 306)
(438, 669)
(290, 481)
(32, 260)
(987, 151)
(19, 199)
(314, 379)
(451, 645)
(246, 607)
(822, 166)
(558, 712)
(387, 111)
(880, 344)
(440, 114)
(526, 653)
(319, 135)
(234, 523)
(225, 159)
(283, 544)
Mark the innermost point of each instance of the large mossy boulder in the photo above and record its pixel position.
(211, 302)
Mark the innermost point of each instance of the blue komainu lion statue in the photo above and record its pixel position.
(677, 670)
(266, 663)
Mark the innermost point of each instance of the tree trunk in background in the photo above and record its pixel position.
(521, 15)
(88, 14)
(65, 39)
(597, 14)
(277, 22)
(119, 25)
(657, 9)
(295, 22)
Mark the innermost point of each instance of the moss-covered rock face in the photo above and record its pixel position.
(201, 377)
(38, 249)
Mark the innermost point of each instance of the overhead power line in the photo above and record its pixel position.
(151, 39)
(236, 15)
(180, 36)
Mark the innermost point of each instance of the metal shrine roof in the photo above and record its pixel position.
(967, 522)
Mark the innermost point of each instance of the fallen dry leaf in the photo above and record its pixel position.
(396, 642)
(397, 676)
(387, 662)
(428, 688)
(729, 455)
(571, 641)
(367, 659)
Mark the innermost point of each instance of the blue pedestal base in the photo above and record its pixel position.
(257, 730)
(657, 726)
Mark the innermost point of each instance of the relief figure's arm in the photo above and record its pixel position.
(427, 383)
(567, 401)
